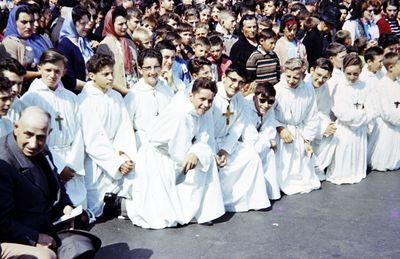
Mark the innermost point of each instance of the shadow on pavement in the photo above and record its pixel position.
(121, 251)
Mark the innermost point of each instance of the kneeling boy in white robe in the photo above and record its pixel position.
(296, 111)
(240, 167)
(110, 145)
(65, 140)
(384, 142)
(260, 133)
(149, 96)
(176, 179)
(323, 145)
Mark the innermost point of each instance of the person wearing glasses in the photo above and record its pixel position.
(260, 133)
(240, 167)
(149, 96)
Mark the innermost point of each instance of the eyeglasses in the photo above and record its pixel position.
(237, 81)
(370, 10)
(266, 100)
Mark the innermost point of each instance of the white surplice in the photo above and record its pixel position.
(323, 146)
(337, 75)
(258, 133)
(15, 110)
(349, 163)
(5, 126)
(144, 103)
(162, 195)
(107, 131)
(242, 179)
(296, 110)
(384, 142)
(65, 140)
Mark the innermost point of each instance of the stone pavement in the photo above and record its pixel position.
(348, 221)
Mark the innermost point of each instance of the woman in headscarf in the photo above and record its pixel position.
(20, 41)
(118, 46)
(75, 47)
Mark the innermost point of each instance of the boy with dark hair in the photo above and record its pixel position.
(149, 96)
(220, 61)
(13, 70)
(110, 145)
(372, 70)
(260, 132)
(200, 67)
(335, 53)
(263, 63)
(5, 104)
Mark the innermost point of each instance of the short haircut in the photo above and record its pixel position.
(165, 44)
(5, 85)
(184, 27)
(294, 64)
(149, 53)
(267, 34)
(360, 45)
(238, 69)
(149, 19)
(246, 17)
(265, 89)
(202, 25)
(78, 12)
(352, 59)
(133, 12)
(216, 40)
(225, 14)
(98, 62)
(12, 65)
(265, 21)
(390, 59)
(323, 63)
(370, 53)
(341, 36)
(196, 64)
(141, 33)
(204, 83)
(172, 35)
(334, 48)
(52, 56)
(201, 41)
(388, 39)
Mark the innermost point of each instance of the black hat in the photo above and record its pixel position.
(75, 243)
(330, 16)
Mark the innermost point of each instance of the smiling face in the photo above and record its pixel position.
(150, 70)
(250, 29)
(168, 57)
(25, 24)
(376, 64)
(263, 103)
(51, 73)
(293, 77)
(232, 83)
(5, 102)
(290, 32)
(202, 100)
(16, 82)
(319, 76)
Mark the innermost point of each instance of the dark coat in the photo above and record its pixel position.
(314, 43)
(31, 194)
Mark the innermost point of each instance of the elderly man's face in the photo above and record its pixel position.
(31, 135)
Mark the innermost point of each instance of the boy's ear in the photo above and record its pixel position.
(91, 75)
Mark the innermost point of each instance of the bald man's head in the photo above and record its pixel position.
(31, 130)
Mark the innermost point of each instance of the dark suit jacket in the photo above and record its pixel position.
(31, 194)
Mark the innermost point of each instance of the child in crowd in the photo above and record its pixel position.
(220, 61)
(335, 53)
(201, 47)
(143, 38)
(263, 63)
(200, 67)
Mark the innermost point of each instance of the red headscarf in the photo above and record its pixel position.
(109, 30)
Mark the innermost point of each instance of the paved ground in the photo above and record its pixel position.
(349, 221)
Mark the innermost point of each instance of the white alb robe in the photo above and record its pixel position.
(65, 140)
(162, 195)
(15, 110)
(242, 179)
(349, 163)
(258, 133)
(296, 110)
(107, 131)
(5, 126)
(337, 75)
(144, 104)
(384, 142)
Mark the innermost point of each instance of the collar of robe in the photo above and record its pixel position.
(91, 89)
(39, 85)
(141, 85)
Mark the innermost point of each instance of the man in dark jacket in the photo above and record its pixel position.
(31, 194)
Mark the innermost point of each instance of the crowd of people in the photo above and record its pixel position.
(168, 112)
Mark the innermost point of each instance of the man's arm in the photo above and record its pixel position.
(13, 230)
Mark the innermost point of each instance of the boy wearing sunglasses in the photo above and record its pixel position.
(260, 132)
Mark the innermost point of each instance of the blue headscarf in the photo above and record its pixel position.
(37, 44)
(68, 30)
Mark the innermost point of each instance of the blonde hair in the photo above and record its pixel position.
(294, 64)
(140, 34)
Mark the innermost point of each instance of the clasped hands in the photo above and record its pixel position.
(287, 138)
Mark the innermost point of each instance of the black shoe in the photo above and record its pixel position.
(112, 205)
